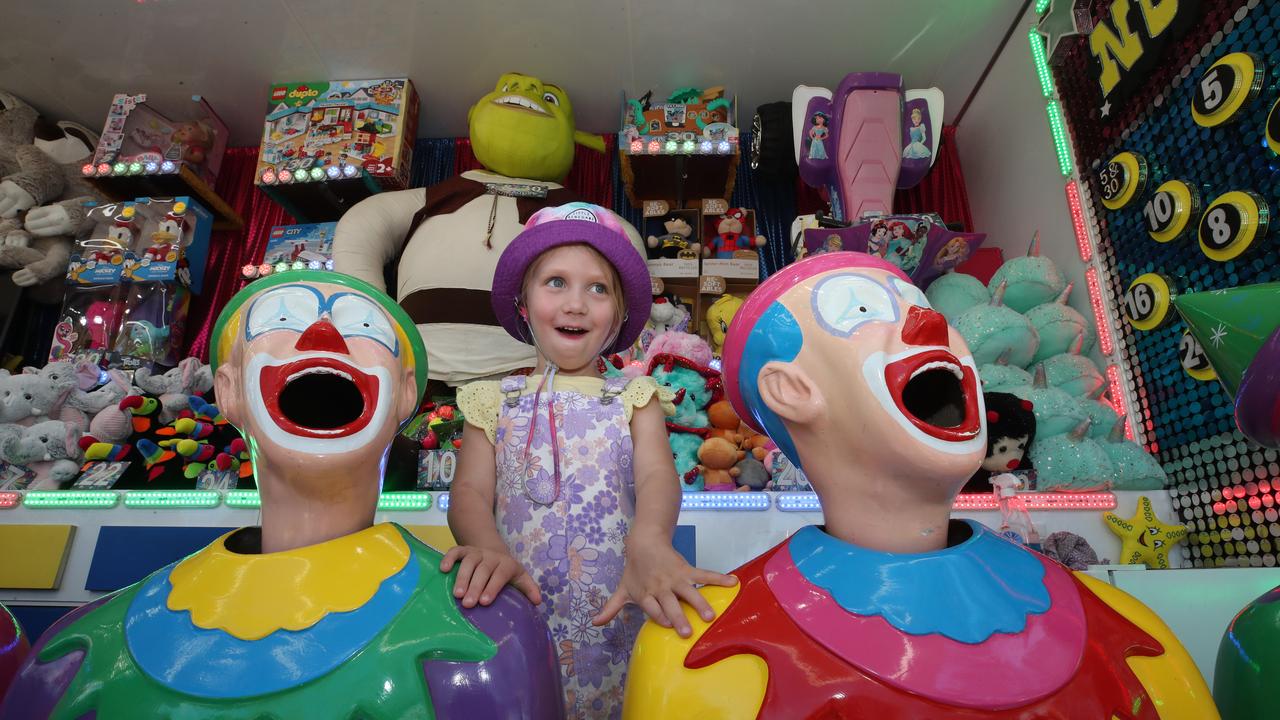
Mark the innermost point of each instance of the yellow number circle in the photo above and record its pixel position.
(1231, 223)
(1121, 179)
(1226, 87)
(1273, 128)
(1170, 210)
(1147, 302)
(1193, 359)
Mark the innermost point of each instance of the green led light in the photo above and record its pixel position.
(1059, 129)
(135, 168)
(243, 499)
(1041, 60)
(1041, 6)
(404, 501)
(172, 498)
(71, 499)
(119, 168)
(317, 173)
(688, 146)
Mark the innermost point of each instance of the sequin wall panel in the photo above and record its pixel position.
(1196, 139)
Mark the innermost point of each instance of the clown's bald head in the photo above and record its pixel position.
(844, 345)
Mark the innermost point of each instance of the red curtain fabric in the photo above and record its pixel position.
(942, 190)
(591, 175)
(230, 250)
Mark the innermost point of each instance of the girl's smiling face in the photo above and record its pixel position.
(571, 297)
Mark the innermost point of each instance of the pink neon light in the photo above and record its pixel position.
(1105, 343)
(1042, 501)
(1116, 389)
(9, 499)
(1077, 222)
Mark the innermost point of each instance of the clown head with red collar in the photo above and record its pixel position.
(318, 371)
(842, 362)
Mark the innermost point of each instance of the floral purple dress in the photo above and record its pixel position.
(568, 531)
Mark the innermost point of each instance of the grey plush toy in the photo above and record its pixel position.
(176, 386)
(49, 448)
(29, 398)
(42, 195)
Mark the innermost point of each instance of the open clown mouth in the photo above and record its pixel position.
(319, 397)
(937, 393)
(520, 102)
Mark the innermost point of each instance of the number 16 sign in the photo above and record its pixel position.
(1147, 303)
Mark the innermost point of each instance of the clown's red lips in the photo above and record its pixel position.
(936, 393)
(319, 397)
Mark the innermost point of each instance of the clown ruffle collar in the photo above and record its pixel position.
(969, 592)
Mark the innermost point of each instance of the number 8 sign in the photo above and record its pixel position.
(1231, 223)
(1146, 305)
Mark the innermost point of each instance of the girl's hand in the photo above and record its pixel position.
(657, 578)
(482, 573)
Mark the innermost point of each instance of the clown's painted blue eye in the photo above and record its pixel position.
(355, 316)
(909, 292)
(290, 307)
(843, 303)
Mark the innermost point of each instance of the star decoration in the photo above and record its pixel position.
(1145, 540)
(1218, 333)
(1056, 24)
(1106, 108)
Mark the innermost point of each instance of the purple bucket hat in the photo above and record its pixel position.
(572, 224)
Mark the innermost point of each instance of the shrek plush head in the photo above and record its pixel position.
(524, 128)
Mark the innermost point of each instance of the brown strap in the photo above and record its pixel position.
(449, 305)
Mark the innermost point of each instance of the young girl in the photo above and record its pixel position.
(577, 467)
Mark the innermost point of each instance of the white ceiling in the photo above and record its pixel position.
(68, 57)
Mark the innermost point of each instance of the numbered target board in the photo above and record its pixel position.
(1170, 209)
(1148, 301)
(1122, 179)
(1226, 87)
(1231, 223)
(1193, 358)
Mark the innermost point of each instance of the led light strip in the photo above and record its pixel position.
(9, 499)
(726, 501)
(1083, 243)
(808, 502)
(404, 501)
(243, 499)
(70, 499)
(172, 498)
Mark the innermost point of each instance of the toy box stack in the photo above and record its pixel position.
(138, 140)
(130, 278)
(295, 247)
(332, 130)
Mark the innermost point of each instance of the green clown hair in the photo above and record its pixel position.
(230, 320)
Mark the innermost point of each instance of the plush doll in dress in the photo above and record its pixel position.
(891, 609)
(319, 612)
(1011, 428)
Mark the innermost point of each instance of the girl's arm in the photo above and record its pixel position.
(484, 562)
(655, 576)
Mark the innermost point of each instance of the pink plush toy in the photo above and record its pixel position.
(681, 344)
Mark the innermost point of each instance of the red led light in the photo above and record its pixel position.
(285, 176)
(268, 177)
(1219, 508)
(104, 168)
(1254, 503)
(9, 499)
(637, 147)
(1116, 390)
(654, 146)
(1077, 222)
(1105, 343)
(249, 271)
(1042, 501)
(88, 169)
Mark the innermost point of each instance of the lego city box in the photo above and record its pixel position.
(339, 128)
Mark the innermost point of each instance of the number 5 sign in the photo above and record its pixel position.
(1147, 303)
(1226, 87)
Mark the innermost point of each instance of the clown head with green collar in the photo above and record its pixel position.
(524, 128)
(318, 370)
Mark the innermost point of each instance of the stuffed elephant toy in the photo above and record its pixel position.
(175, 386)
(49, 448)
(43, 197)
(28, 398)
